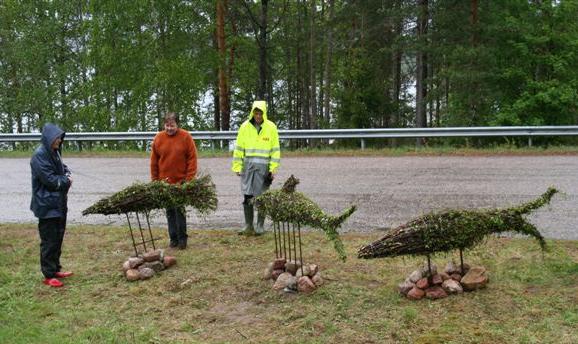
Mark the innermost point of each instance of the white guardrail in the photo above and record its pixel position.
(360, 134)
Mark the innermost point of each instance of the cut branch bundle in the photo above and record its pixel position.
(199, 193)
(455, 229)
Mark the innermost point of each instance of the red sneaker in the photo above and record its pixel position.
(63, 274)
(53, 282)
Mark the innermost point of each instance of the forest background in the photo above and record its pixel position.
(112, 65)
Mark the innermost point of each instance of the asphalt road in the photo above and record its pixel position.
(388, 190)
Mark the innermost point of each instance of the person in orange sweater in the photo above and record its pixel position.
(174, 160)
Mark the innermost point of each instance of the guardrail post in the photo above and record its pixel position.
(362, 144)
(529, 141)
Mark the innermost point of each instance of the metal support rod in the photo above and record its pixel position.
(279, 239)
(279, 228)
(289, 239)
(294, 244)
(141, 233)
(150, 232)
(131, 235)
(284, 242)
(300, 252)
(275, 225)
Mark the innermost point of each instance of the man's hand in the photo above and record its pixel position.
(268, 179)
(238, 174)
(69, 179)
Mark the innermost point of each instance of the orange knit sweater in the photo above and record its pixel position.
(173, 158)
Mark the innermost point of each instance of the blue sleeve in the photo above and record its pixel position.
(47, 176)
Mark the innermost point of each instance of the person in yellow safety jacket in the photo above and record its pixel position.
(255, 159)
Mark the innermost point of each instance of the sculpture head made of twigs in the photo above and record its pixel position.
(290, 184)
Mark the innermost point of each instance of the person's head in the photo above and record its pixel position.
(52, 136)
(56, 143)
(258, 115)
(171, 123)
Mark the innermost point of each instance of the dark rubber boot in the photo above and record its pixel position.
(249, 230)
(260, 229)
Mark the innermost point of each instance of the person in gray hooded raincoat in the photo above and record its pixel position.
(51, 180)
(256, 159)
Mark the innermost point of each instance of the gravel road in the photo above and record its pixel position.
(388, 190)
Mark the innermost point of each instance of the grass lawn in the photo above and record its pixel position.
(214, 294)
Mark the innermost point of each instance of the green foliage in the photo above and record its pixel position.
(455, 229)
(198, 193)
(286, 205)
(119, 66)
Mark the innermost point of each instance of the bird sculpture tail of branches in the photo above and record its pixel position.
(333, 224)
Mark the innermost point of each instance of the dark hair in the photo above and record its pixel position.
(172, 116)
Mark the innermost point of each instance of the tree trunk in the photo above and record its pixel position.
(312, 79)
(217, 104)
(430, 106)
(327, 72)
(396, 61)
(262, 93)
(474, 94)
(161, 102)
(260, 30)
(474, 22)
(421, 67)
(61, 57)
(302, 72)
(224, 102)
(226, 120)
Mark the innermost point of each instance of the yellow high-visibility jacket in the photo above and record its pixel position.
(256, 153)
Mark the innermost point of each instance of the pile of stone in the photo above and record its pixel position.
(421, 283)
(147, 265)
(293, 276)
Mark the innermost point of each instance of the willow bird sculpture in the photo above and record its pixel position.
(455, 229)
(199, 193)
(287, 205)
